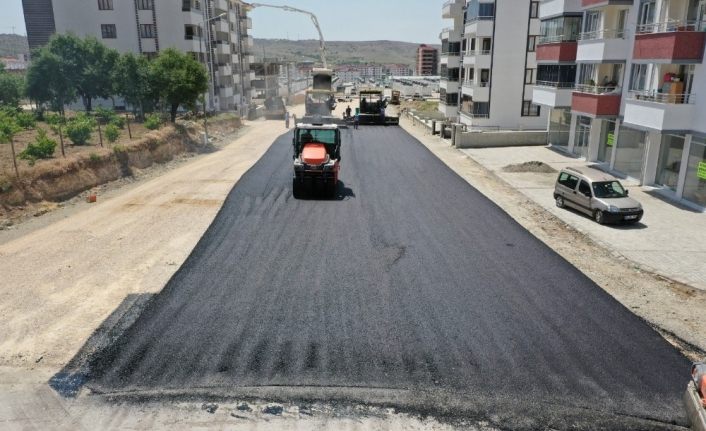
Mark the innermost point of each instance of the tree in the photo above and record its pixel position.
(178, 79)
(131, 78)
(48, 80)
(8, 130)
(11, 89)
(84, 65)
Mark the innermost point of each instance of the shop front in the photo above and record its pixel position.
(695, 180)
(630, 152)
(560, 128)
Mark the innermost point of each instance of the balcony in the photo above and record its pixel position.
(480, 26)
(671, 41)
(586, 4)
(451, 34)
(602, 45)
(556, 50)
(558, 7)
(478, 91)
(553, 94)
(658, 111)
(452, 9)
(480, 59)
(595, 101)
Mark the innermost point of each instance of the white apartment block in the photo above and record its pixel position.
(145, 27)
(626, 84)
(488, 64)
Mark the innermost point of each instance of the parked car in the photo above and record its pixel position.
(597, 194)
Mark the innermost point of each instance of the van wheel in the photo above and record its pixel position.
(559, 201)
(598, 216)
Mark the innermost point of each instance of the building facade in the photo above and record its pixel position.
(427, 63)
(489, 64)
(626, 85)
(145, 27)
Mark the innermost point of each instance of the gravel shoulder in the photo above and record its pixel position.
(675, 309)
(64, 273)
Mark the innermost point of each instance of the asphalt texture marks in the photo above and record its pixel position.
(410, 281)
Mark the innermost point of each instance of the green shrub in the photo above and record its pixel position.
(153, 121)
(119, 149)
(52, 119)
(42, 148)
(79, 129)
(112, 133)
(94, 157)
(25, 119)
(118, 121)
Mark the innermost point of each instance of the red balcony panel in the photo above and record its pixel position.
(560, 51)
(588, 3)
(597, 105)
(678, 45)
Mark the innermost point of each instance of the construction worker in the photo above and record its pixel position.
(356, 120)
(348, 111)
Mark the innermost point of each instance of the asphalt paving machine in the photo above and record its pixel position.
(373, 109)
(317, 159)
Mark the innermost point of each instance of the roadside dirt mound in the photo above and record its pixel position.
(532, 166)
(60, 179)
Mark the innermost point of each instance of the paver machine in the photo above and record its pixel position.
(373, 109)
(317, 159)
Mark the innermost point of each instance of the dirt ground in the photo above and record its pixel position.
(27, 136)
(672, 308)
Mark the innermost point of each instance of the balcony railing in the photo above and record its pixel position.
(602, 34)
(555, 84)
(654, 96)
(595, 89)
(472, 115)
(557, 38)
(479, 52)
(476, 84)
(471, 19)
(671, 26)
(451, 53)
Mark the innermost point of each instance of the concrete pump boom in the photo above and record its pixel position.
(322, 43)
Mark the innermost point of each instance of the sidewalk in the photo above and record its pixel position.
(666, 241)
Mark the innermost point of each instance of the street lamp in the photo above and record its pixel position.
(205, 113)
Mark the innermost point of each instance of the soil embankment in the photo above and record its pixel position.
(63, 178)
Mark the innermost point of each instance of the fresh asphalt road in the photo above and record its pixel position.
(411, 283)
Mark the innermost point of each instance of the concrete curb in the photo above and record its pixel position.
(694, 411)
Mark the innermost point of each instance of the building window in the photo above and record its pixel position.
(108, 31)
(529, 109)
(145, 5)
(148, 31)
(150, 55)
(531, 43)
(534, 9)
(105, 4)
(188, 5)
(192, 32)
(529, 76)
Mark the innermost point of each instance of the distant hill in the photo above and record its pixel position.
(12, 45)
(375, 51)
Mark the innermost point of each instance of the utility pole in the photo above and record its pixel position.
(210, 77)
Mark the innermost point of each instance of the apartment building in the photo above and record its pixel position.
(491, 65)
(626, 86)
(427, 63)
(222, 44)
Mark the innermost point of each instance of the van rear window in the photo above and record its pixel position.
(568, 180)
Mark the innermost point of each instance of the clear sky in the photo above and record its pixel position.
(401, 20)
